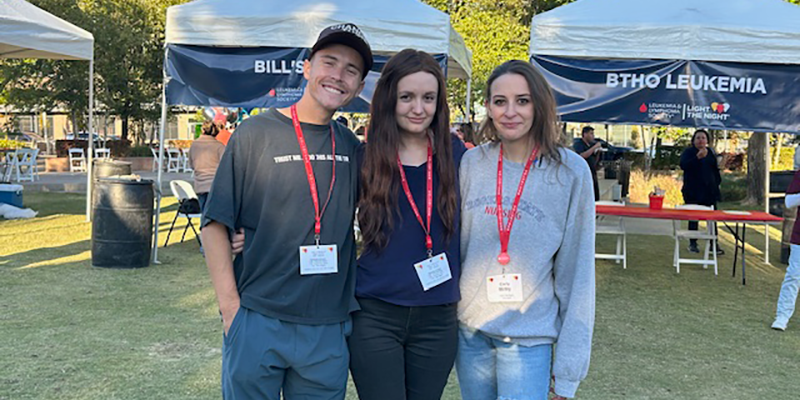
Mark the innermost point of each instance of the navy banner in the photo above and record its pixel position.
(717, 95)
(249, 77)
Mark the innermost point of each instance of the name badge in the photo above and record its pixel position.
(504, 288)
(322, 259)
(433, 271)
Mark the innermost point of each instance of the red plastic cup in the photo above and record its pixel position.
(656, 202)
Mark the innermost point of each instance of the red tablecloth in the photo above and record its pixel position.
(688, 215)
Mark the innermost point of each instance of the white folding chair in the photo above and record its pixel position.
(188, 205)
(613, 225)
(185, 164)
(102, 154)
(710, 235)
(173, 160)
(25, 165)
(77, 160)
(154, 152)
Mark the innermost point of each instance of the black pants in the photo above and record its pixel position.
(403, 353)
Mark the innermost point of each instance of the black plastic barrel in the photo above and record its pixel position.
(104, 169)
(789, 215)
(123, 223)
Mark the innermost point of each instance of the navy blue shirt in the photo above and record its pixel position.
(388, 274)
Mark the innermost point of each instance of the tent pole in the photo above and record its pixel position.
(767, 192)
(91, 143)
(469, 100)
(160, 168)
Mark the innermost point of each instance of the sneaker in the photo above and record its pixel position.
(780, 324)
(693, 248)
(720, 251)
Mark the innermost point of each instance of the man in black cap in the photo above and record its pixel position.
(288, 178)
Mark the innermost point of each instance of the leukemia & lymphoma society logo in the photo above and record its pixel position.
(667, 112)
(720, 108)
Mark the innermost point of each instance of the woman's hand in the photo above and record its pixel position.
(237, 242)
(702, 152)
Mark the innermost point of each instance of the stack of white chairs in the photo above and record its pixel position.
(173, 159)
(102, 154)
(25, 165)
(185, 164)
(77, 160)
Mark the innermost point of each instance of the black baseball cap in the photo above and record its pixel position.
(348, 35)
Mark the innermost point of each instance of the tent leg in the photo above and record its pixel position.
(91, 143)
(160, 163)
(469, 100)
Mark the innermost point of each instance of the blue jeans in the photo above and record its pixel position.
(791, 281)
(490, 368)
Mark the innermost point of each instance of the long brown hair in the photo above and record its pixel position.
(380, 183)
(545, 131)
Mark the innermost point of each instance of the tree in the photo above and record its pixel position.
(495, 32)
(756, 167)
(41, 85)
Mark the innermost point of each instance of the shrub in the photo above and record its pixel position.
(734, 186)
(140, 151)
(642, 184)
(119, 148)
(12, 144)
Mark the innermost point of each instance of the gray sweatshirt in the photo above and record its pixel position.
(551, 246)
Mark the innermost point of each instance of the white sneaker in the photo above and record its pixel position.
(780, 324)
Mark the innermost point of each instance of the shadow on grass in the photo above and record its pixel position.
(45, 255)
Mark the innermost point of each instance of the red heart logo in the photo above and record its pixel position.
(516, 278)
(491, 279)
(419, 266)
(330, 248)
(272, 93)
(441, 257)
(305, 250)
(643, 108)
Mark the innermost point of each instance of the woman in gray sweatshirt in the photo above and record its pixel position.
(527, 249)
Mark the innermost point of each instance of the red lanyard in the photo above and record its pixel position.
(312, 182)
(428, 198)
(505, 233)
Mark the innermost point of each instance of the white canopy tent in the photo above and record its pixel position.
(389, 25)
(27, 31)
(743, 31)
(764, 31)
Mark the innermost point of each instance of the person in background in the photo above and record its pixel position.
(587, 147)
(528, 295)
(224, 134)
(791, 281)
(204, 156)
(466, 134)
(701, 179)
(405, 336)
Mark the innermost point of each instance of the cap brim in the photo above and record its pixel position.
(349, 40)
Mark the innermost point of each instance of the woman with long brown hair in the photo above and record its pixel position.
(404, 337)
(527, 290)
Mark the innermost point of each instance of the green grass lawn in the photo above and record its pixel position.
(71, 331)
